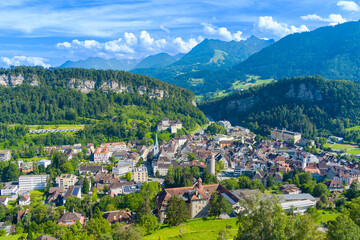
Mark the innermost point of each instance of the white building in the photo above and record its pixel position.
(123, 167)
(44, 162)
(5, 155)
(115, 147)
(10, 189)
(300, 202)
(24, 200)
(102, 155)
(32, 182)
(66, 180)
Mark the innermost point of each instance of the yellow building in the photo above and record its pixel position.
(285, 135)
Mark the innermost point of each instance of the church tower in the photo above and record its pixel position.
(156, 146)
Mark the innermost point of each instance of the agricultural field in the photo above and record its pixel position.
(54, 127)
(197, 229)
(250, 81)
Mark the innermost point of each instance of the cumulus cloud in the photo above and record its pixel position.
(221, 32)
(23, 60)
(130, 46)
(349, 6)
(269, 25)
(333, 19)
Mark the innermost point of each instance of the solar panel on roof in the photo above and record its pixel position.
(75, 191)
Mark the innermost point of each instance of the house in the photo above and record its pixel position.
(196, 197)
(289, 189)
(66, 180)
(102, 155)
(45, 237)
(21, 214)
(73, 191)
(299, 202)
(56, 195)
(166, 124)
(27, 167)
(119, 216)
(263, 176)
(93, 170)
(140, 174)
(4, 201)
(5, 155)
(335, 186)
(10, 229)
(10, 188)
(24, 200)
(106, 178)
(32, 182)
(285, 135)
(70, 218)
(117, 188)
(44, 162)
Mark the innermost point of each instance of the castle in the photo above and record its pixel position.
(166, 124)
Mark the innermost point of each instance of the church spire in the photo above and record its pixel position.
(156, 145)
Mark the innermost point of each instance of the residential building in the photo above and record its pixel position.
(285, 135)
(4, 201)
(44, 162)
(196, 197)
(289, 189)
(10, 188)
(140, 174)
(56, 195)
(45, 237)
(73, 191)
(166, 124)
(24, 200)
(93, 170)
(115, 147)
(102, 155)
(32, 182)
(119, 216)
(70, 218)
(5, 155)
(27, 167)
(335, 186)
(66, 180)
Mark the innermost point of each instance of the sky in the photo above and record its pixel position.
(48, 33)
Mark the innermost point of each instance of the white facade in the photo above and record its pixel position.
(5, 155)
(140, 174)
(32, 182)
(44, 162)
(66, 180)
(10, 189)
(102, 155)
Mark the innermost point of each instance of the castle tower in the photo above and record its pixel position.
(304, 163)
(210, 164)
(156, 146)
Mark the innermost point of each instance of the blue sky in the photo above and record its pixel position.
(47, 33)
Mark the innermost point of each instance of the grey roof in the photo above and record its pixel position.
(295, 197)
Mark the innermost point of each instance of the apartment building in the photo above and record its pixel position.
(32, 182)
(140, 174)
(66, 180)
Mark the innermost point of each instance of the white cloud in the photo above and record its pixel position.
(333, 19)
(349, 6)
(23, 60)
(221, 32)
(131, 46)
(268, 24)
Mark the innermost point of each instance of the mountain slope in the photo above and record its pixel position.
(31, 95)
(311, 105)
(101, 63)
(156, 61)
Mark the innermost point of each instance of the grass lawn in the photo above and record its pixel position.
(60, 126)
(196, 229)
(37, 197)
(35, 159)
(325, 216)
(14, 237)
(347, 148)
(356, 128)
(250, 81)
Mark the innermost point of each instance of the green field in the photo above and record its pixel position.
(356, 128)
(13, 237)
(60, 126)
(325, 216)
(250, 82)
(346, 148)
(196, 229)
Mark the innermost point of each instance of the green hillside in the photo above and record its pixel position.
(311, 105)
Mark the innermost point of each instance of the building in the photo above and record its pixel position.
(335, 186)
(5, 155)
(45, 237)
(299, 202)
(156, 149)
(119, 216)
(196, 197)
(210, 164)
(32, 182)
(27, 167)
(166, 124)
(140, 174)
(10, 188)
(93, 170)
(102, 155)
(66, 180)
(73, 191)
(122, 168)
(44, 162)
(289, 189)
(4, 201)
(115, 147)
(70, 218)
(24, 200)
(285, 135)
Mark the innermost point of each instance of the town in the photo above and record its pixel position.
(122, 179)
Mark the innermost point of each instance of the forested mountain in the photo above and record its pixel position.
(156, 61)
(103, 64)
(332, 52)
(208, 55)
(123, 105)
(311, 105)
